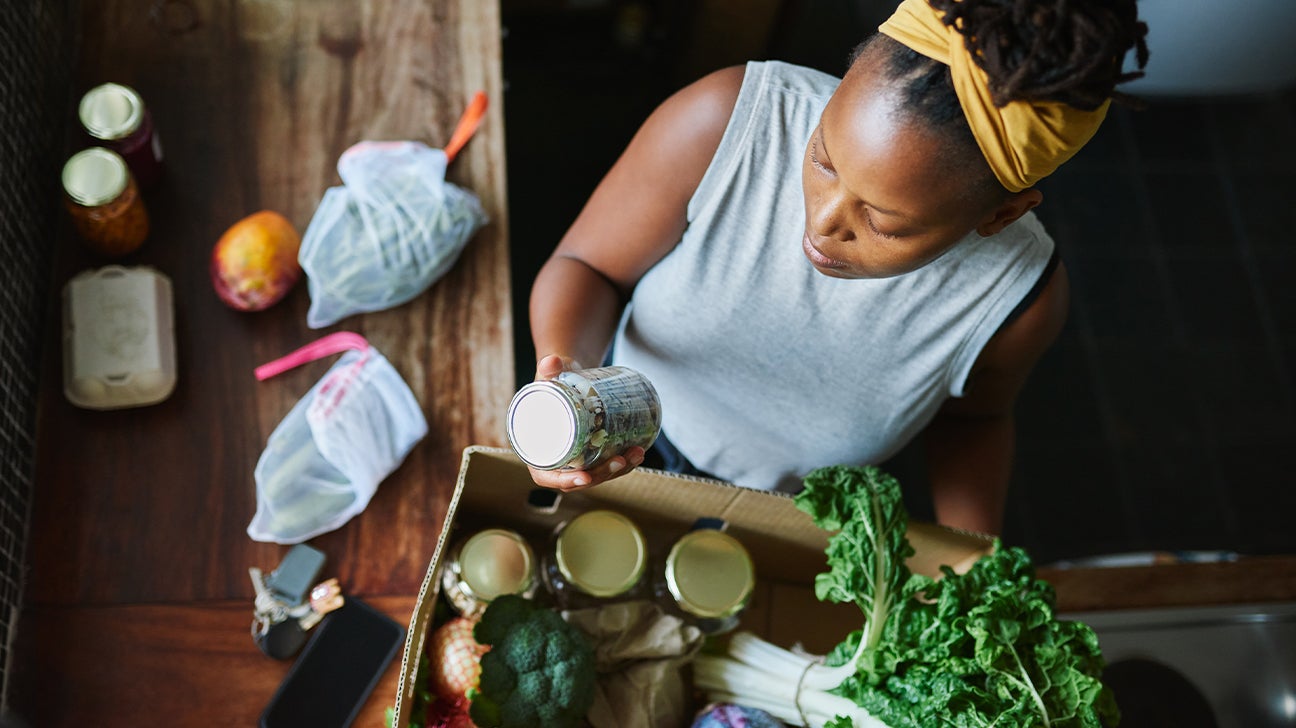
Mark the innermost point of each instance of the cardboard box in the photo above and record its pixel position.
(786, 546)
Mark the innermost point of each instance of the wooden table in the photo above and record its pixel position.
(138, 600)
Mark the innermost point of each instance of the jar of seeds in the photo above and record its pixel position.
(580, 419)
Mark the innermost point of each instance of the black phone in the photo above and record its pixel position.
(337, 670)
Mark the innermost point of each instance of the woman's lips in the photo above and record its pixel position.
(818, 258)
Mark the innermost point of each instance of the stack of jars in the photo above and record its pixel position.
(601, 556)
(101, 184)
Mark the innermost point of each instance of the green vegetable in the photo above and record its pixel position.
(539, 672)
(978, 649)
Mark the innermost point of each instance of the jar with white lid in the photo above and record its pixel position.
(105, 204)
(581, 419)
(486, 565)
(596, 557)
(114, 115)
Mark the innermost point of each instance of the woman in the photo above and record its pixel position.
(818, 272)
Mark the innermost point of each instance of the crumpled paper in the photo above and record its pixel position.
(638, 652)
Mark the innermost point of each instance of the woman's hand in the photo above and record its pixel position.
(570, 480)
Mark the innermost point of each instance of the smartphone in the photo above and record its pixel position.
(336, 671)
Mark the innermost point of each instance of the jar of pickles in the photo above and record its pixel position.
(115, 117)
(595, 557)
(486, 565)
(580, 419)
(106, 208)
(709, 578)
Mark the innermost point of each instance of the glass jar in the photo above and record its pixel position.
(106, 208)
(486, 565)
(709, 578)
(115, 116)
(596, 557)
(581, 419)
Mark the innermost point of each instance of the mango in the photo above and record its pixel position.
(254, 263)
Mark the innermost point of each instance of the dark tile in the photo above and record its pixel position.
(1179, 502)
(1094, 213)
(1147, 389)
(1172, 132)
(1241, 393)
(1189, 210)
(1277, 273)
(1255, 134)
(1215, 299)
(1266, 206)
(1262, 485)
(1072, 501)
(1121, 299)
(1059, 403)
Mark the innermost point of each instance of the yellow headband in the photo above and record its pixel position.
(1023, 141)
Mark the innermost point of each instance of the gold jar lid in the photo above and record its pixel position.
(95, 176)
(602, 553)
(710, 574)
(111, 111)
(495, 562)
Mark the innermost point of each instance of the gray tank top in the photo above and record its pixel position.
(767, 368)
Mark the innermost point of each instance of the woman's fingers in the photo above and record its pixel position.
(573, 480)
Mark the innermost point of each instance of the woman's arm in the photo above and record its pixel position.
(634, 218)
(969, 444)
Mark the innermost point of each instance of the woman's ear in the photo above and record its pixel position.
(1009, 210)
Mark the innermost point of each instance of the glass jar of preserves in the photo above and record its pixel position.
(486, 565)
(709, 577)
(580, 419)
(596, 557)
(106, 208)
(115, 116)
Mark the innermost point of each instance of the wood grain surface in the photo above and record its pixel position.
(254, 101)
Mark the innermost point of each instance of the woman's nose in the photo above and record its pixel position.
(829, 216)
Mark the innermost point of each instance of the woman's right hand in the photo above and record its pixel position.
(572, 480)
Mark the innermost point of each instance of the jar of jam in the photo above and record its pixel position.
(596, 557)
(115, 116)
(709, 578)
(581, 419)
(486, 565)
(106, 208)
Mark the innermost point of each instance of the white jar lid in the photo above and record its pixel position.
(543, 425)
(111, 111)
(95, 176)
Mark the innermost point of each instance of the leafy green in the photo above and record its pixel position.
(979, 649)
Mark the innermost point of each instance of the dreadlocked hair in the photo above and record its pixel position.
(1050, 50)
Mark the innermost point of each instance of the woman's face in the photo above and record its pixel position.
(883, 195)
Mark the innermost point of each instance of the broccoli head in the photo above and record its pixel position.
(539, 672)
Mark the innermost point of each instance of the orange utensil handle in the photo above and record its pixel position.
(468, 123)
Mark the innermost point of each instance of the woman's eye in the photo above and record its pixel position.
(814, 156)
(869, 219)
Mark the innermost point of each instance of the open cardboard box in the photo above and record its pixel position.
(786, 547)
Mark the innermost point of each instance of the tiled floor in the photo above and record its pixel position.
(1165, 417)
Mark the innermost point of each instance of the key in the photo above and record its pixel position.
(324, 598)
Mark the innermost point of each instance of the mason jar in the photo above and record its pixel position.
(115, 117)
(709, 578)
(596, 557)
(581, 419)
(104, 203)
(486, 565)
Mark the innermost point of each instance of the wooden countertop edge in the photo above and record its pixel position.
(1254, 579)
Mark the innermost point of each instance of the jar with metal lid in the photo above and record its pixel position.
(106, 208)
(486, 565)
(115, 116)
(580, 419)
(709, 577)
(596, 557)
